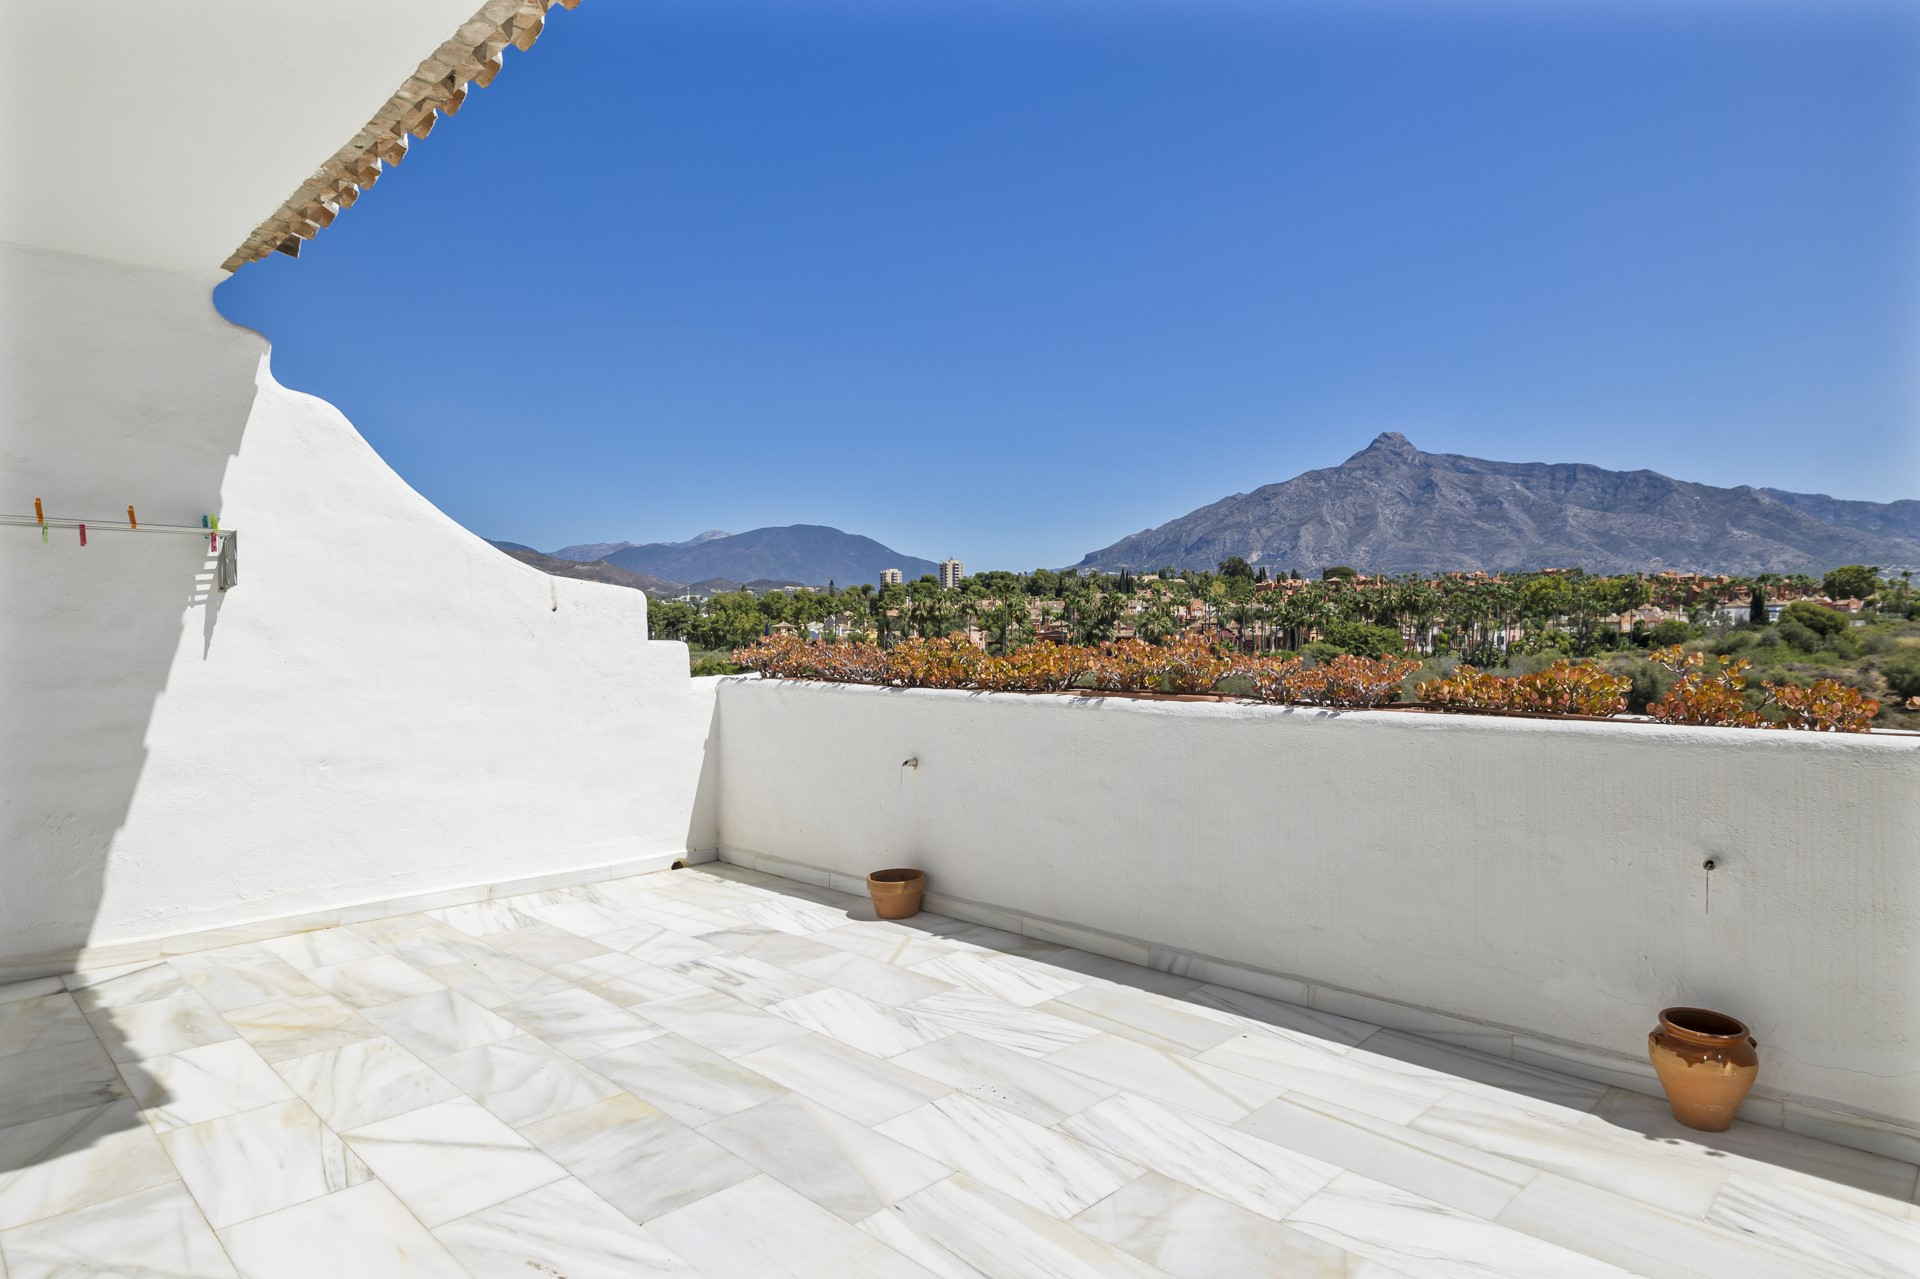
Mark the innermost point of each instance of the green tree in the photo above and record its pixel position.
(1822, 621)
(1851, 582)
(1338, 573)
(1235, 566)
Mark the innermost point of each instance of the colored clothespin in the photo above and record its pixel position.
(40, 514)
(211, 522)
(131, 522)
(83, 535)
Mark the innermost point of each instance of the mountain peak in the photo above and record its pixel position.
(1388, 445)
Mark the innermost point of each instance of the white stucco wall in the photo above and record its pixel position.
(384, 706)
(1543, 877)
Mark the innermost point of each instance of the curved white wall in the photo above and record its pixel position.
(384, 706)
(1528, 876)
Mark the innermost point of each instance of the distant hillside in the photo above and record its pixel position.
(1392, 508)
(589, 551)
(811, 554)
(594, 572)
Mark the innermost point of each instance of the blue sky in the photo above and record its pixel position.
(1010, 279)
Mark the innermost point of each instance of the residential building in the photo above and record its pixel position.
(950, 574)
(890, 577)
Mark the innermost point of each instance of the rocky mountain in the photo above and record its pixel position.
(592, 572)
(586, 552)
(809, 553)
(1394, 509)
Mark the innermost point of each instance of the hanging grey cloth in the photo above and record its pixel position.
(227, 573)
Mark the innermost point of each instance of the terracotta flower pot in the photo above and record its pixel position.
(1706, 1062)
(896, 893)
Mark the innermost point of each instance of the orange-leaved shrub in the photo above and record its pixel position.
(1716, 696)
(1564, 688)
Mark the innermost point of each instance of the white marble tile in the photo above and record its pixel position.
(561, 1229)
(479, 919)
(450, 1159)
(881, 982)
(543, 945)
(720, 1022)
(762, 1229)
(63, 1162)
(1024, 1030)
(54, 1081)
(998, 976)
(205, 1083)
(298, 1027)
(126, 984)
(857, 1084)
(789, 950)
(859, 1022)
(363, 1232)
(441, 1023)
(368, 983)
(33, 988)
(1643, 1240)
(1037, 1165)
(259, 1161)
(1766, 1151)
(497, 980)
(153, 1027)
(46, 1021)
(888, 943)
(1133, 1015)
(157, 1232)
(1259, 1013)
(1624, 1163)
(683, 918)
(1405, 1231)
(639, 1159)
(789, 915)
(960, 1229)
(1846, 1236)
(1319, 1068)
(624, 980)
(1027, 1086)
(1256, 1175)
(582, 919)
(1179, 1081)
(986, 940)
(322, 948)
(523, 1079)
(361, 1082)
(242, 976)
(1458, 1176)
(751, 981)
(1466, 1071)
(661, 948)
(693, 1084)
(845, 1167)
(422, 942)
(1192, 1235)
(576, 1022)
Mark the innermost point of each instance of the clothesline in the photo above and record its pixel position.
(223, 541)
(109, 526)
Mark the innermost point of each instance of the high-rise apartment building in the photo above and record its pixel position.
(950, 574)
(889, 577)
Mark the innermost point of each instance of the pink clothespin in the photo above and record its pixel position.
(83, 535)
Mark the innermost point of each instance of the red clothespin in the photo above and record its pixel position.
(83, 535)
(40, 514)
(213, 538)
(131, 522)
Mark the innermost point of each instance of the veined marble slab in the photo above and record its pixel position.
(524, 1080)
(298, 1027)
(858, 1085)
(46, 1021)
(204, 1083)
(1048, 1169)
(881, 982)
(54, 1081)
(1024, 1030)
(751, 981)
(560, 1229)
(259, 1161)
(636, 1157)
(126, 984)
(961, 1229)
(577, 1023)
(481, 919)
(789, 915)
(789, 950)
(718, 1021)
(242, 976)
(1192, 1235)
(32, 989)
(157, 1232)
(1132, 1015)
(498, 979)
(443, 1022)
(762, 1229)
(665, 948)
(361, 1082)
(1328, 1071)
(449, 1159)
(888, 943)
(1847, 1236)
(1002, 1077)
(368, 983)
(693, 1084)
(154, 1027)
(997, 976)
(544, 945)
(363, 1232)
(1179, 1081)
(322, 948)
(845, 1167)
(1261, 1014)
(64, 1162)
(859, 1022)
(624, 979)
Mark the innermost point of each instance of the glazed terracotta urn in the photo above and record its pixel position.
(896, 893)
(1706, 1062)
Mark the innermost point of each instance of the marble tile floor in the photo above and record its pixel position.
(713, 1072)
